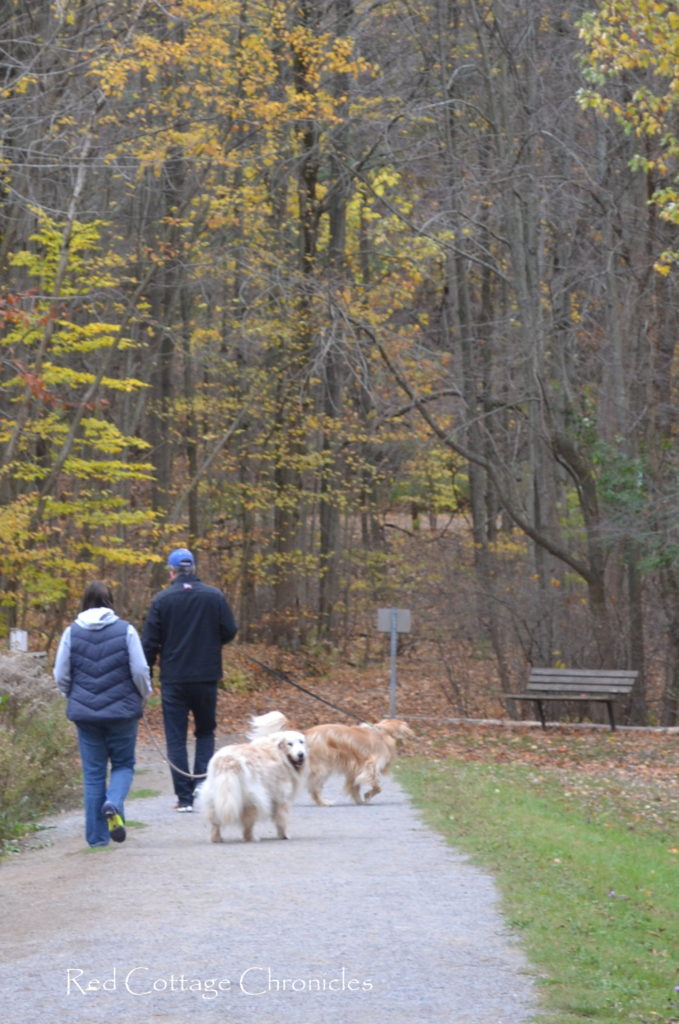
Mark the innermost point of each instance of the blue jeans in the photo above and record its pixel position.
(180, 699)
(99, 744)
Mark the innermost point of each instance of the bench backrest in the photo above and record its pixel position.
(577, 681)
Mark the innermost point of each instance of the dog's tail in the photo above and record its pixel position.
(265, 725)
(220, 798)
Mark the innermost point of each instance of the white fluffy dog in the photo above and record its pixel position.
(361, 753)
(247, 782)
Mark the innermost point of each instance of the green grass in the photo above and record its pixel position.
(593, 900)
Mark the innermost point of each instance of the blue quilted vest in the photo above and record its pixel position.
(102, 688)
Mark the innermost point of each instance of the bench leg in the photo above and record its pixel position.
(611, 717)
(541, 712)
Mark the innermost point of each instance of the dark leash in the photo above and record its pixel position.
(187, 775)
(277, 675)
(286, 679)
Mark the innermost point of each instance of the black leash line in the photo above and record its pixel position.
(286, 679)
(174, 768)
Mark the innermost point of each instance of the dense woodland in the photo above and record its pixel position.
(370, 303)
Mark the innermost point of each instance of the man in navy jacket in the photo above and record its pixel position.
(187, 626)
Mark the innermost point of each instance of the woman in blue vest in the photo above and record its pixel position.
(101, 668)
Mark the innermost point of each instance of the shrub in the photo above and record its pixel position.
(38, 750)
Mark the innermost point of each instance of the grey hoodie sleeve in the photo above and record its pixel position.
(138, 664)
(62, 664)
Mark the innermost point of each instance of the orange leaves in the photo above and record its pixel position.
(13, 311)
(35, 384)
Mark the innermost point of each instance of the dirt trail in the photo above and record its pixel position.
(364, 916)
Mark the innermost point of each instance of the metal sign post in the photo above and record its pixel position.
(393, 621)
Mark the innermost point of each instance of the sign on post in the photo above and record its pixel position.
(393, 621)
(18, 640)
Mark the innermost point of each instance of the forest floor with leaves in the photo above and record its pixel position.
(631, 774)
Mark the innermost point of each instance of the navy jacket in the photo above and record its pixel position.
(102, 687)
(187, 625)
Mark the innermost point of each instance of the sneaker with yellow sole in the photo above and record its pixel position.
(116, 823)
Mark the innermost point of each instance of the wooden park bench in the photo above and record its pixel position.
(605, 686)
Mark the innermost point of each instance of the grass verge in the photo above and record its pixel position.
(593, 899)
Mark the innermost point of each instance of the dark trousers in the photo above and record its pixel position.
(180, 700)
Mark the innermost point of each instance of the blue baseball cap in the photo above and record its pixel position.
(180, 558)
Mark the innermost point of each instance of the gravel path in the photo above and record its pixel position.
(365, 916)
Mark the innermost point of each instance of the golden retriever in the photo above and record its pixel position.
(359, 752)
(247, 782)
